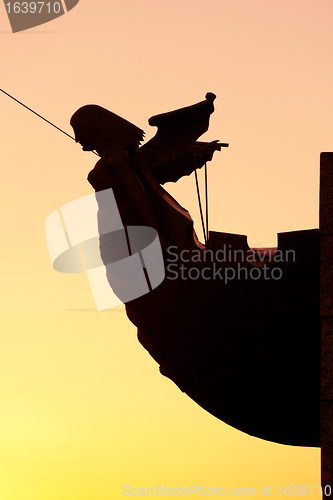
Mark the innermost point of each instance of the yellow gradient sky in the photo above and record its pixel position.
(84, 409)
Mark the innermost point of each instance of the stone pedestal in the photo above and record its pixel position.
(326, 313)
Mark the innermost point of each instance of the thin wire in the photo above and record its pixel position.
(206, 198)
(40, 116)
(37, 114)
(199, 199)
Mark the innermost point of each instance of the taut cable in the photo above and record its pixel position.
(206, 199)
(199, 199)
(40, 116)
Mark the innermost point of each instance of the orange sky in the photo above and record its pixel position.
(84, 409)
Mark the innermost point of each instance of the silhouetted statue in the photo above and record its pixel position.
(236, 329)
(168, 155)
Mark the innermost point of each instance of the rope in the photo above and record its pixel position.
(206, 199)
(40, 116)
(199, 199)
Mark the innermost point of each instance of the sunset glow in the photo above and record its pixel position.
(84, 409)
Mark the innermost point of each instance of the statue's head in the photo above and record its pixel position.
(98, 129)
